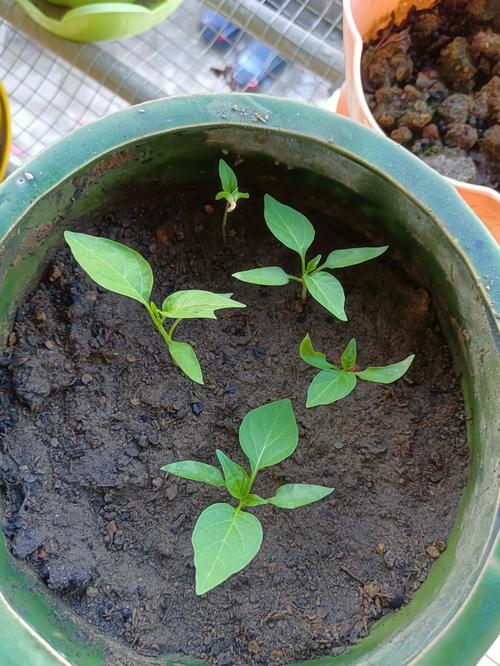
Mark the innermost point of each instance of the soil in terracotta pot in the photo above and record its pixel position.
(433, 85)
(91, 408)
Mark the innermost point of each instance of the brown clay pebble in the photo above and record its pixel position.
(86, 378)
(432, 551)
(208, 208)
(253, 647)
(50, 344)
(161, 235)
(449, 96)
(380, 549)
(40, 316)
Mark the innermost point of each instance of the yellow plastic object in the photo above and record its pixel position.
(5, 132)
(98, 21)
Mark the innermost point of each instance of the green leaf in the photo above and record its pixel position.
(227, 177)
(197, 304)
(254, 500)
(272, 276)
(241, 195)
(225, 540)
(269, 434)
(196, 471)
(288, 225)
(388, 373)
(237, 480)
(293, 495)
(328, 291)
(112, 265)
(349, 355)
(184, 357)
(352, 256)
(313, 263)
(311, 356)
(228, 196)
(329, 386)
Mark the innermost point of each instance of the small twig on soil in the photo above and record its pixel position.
(395, 398)
(349, 573)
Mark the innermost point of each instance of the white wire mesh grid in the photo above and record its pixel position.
(51, 95)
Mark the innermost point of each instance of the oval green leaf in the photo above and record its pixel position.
(272, 276)
(329, 386)
(225, 540)
(328, 291)
(311, 356)
(196, 471)
(185, 358)
(349, 355)
(227, 177)
(388, 373)
(269, 434)
(353, 256)
(197, 304)
(288, 225)
(237, 480)
(293, 495)
(112, 265)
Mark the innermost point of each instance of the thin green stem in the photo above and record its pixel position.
(304, 272)
(173, 327)
(224, 222)
(159, 325)
(292, 277)
(304, 293)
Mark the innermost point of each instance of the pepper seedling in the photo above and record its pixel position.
(295, 231)
(333, 383)
(229, 192)
(121, 269)
(226, 538)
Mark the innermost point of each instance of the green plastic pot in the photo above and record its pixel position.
(455, 615)
(93, 22)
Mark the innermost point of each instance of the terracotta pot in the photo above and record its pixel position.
(362, 21)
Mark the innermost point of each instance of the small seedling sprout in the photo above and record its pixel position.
(121, 269)
(335, 382)
(296, 232)
(227, 538)
(229, 192)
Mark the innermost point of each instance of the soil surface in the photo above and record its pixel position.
(91, 408)
(433, 85)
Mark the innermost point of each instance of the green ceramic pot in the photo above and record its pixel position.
(455, 615)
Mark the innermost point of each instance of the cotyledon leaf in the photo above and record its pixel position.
(196, 471)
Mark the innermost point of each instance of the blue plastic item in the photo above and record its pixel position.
(256, 63)
(217, 29)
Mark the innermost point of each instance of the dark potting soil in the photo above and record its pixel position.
(91, 408)
(433, 85)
